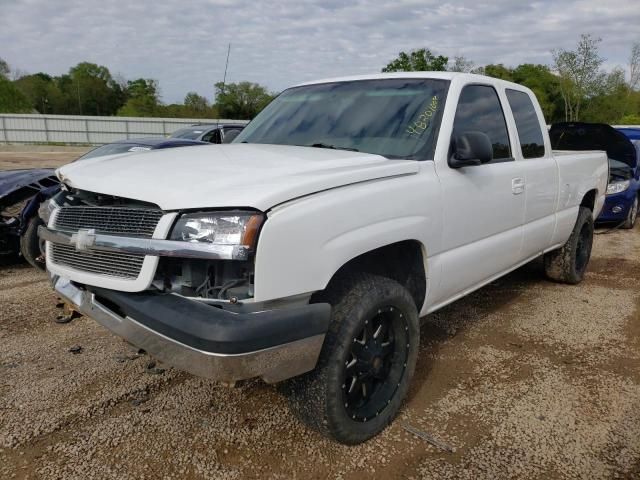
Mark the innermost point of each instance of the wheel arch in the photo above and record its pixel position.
(589, 199)
(404, 261)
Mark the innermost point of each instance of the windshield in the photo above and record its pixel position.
(396, 118)
(188, 133)
(113, 148)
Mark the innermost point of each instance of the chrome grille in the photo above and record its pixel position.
(132, 222)
(121, 265)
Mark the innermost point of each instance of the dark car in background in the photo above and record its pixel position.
(623, 190)
(210, 132)
(23, 191)
(132, 145)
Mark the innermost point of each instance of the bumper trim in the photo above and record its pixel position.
(272, 364)
(148, 246)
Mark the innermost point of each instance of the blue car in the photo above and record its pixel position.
(22, 192)
(632, 133)
(132, 145)
(623, 191)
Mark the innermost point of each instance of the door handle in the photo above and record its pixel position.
(517, 185)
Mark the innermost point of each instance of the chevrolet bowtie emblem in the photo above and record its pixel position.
(84, 239)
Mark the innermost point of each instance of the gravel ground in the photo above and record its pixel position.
(524, 379)
(37, 156)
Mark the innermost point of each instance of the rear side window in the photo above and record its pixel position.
(527, 123)
(479, 110)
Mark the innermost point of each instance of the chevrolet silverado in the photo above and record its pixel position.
(306, 251)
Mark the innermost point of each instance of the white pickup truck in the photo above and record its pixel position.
(308, 249)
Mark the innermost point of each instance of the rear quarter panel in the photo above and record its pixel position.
(579, 172)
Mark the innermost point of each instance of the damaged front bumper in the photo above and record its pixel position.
(205, 340)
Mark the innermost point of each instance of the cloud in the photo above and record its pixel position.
(279, 43)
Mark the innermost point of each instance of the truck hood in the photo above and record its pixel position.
(234, 175)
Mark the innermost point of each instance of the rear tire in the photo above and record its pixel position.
(630, 222)
(568, 264)
(31, 247)
(367, 360)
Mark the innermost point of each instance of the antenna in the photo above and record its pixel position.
(224, 82)
(224, 79)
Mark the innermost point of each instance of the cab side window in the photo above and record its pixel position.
(479, 110)
(527, 124)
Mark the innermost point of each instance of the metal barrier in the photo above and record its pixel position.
(83, 130)
(75, 129)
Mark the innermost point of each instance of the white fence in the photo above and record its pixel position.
(74, 129)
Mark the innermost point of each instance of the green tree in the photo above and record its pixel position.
(68, 102)
(143, 87)
(94, 89)
(461, 64)
(630, 119)
(142, 99)
(634, 66)
(176, 110)
(196, 103)
(612, 101)
(11, 99)
(496, 71)
(420, 60)
(43, 92)
(241, 101)
(580, 75)
(139, 107)
(4, 68)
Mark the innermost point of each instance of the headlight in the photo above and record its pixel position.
(232, 234)
(617, 187)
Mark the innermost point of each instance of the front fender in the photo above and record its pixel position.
(305, 242)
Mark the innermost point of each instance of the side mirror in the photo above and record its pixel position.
(470, 149)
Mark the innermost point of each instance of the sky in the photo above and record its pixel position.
(183, 44)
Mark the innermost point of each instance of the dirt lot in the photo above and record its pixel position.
(524, 378)
(37, 156)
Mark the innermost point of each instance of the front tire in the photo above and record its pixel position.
(630, 221)
(31, 247)
(568, 264)
(366, 363)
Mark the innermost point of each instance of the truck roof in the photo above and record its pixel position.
(469, 77)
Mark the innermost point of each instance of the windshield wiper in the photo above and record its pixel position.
(332, 147)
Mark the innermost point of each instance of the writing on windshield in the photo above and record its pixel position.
(395, 117)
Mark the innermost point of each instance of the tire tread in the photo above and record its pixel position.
(309, 395)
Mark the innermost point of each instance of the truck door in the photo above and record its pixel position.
(483, 205)
(541, 173)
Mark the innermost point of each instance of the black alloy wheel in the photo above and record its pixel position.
(376, 364)
(366, 363)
